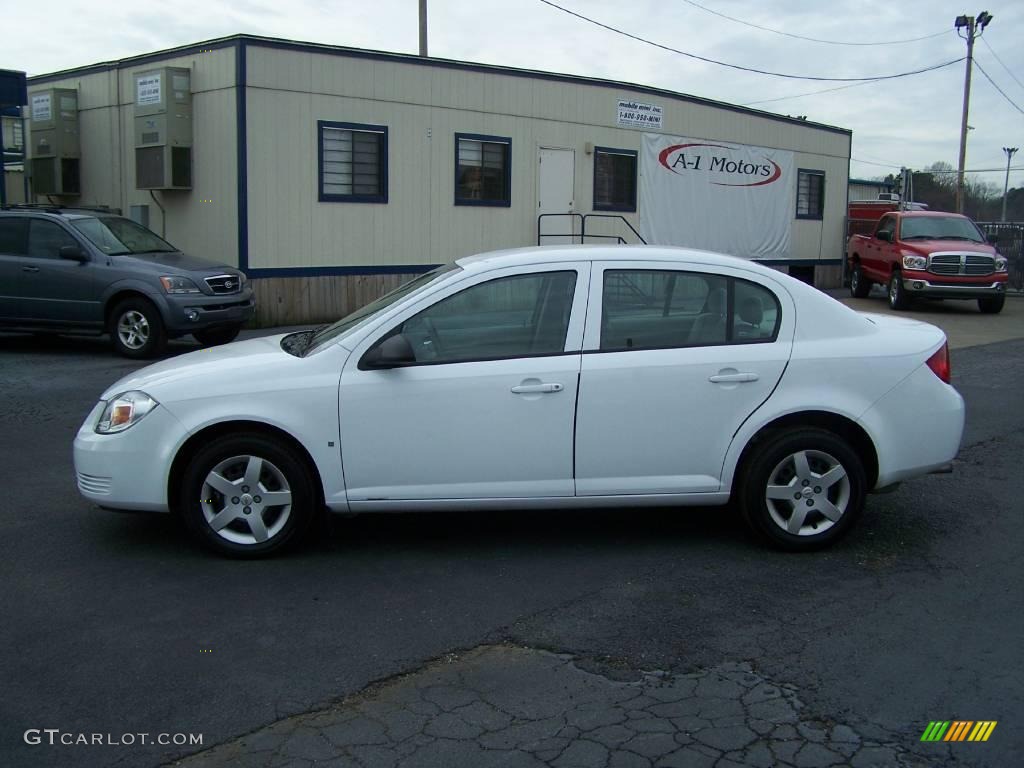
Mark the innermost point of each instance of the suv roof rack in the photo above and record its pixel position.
(51, 208)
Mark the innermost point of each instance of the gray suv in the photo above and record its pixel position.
(77, 270)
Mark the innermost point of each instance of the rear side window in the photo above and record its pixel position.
(654, 309)
(13, 236)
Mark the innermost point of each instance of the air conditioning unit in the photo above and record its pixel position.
(55, 146)
(163, 129)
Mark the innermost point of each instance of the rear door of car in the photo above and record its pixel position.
(13, 255)
(674, 361)
(58, 291)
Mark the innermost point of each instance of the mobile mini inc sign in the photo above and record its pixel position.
(732, 198)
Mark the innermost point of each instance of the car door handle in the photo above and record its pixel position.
(30, 269)
(528, 389)
(721, 378)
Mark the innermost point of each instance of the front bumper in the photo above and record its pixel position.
(128, 470)
(189, 312)
(935, 287)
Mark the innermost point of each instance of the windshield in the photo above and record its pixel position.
(348, 322)
(940, 228)
(116, 236)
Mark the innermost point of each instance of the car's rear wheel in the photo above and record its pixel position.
(802, 490)
(898, 298)
(991, 305)
(212, 337)
(136, 328)
(859, 286)
(247, 495)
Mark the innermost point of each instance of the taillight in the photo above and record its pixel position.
(939, 362)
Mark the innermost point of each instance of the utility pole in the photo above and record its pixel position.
(1006, 184)
(423, 28)
(974, 27)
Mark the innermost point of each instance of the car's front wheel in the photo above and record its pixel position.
(860, 287)
(212, 337)
(991, 305)
(898, 298)
(247, 495)
(136, 328)
(802, 490)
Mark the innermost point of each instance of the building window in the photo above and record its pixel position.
(810, 194)
(353, 163)
(483, 170)
(614, 179)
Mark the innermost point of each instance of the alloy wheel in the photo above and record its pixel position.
(246, 500)
(808, 492)
(133, 329)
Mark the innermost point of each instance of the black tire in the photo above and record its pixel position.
(199, 502)
(141, 314)
(859, 286)
(898, 298)
(774, 456)
(213, 337)
(991, 305)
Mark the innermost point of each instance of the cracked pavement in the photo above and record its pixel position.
(512, 706)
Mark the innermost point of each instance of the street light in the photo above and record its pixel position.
(974, 27)
(1006, 184)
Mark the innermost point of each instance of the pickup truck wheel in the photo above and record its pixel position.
(247, 495)
(215, 336)
(859, 286)
(136, 329)
(803, 489)
(898, 298)
(991, 305)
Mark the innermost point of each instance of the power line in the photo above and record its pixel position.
(1012, 102)
(951, 170)
(811, 39)
(872, 78)
(992, 51)
(809, 93)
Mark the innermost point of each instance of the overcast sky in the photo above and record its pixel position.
(912, 121)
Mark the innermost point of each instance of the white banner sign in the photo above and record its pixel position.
(42, 109)
(633, 114)
(147, 89)
(731, 198)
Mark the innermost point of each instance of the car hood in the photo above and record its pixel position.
(937, 246)
(253, 360)
(176, 261)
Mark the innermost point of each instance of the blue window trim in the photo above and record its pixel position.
(636, 170)
(324, 197)
(507, 201)
(810, 172)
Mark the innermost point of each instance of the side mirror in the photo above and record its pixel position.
(993, 239)
(886, 235)
(73, 253)
(394, 352)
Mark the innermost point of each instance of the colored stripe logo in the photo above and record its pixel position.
(958, 730)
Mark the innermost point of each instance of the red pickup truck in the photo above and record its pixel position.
(928, 254)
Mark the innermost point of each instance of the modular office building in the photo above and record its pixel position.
(330, 174)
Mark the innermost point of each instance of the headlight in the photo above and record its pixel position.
(123, 411)
(1000, 264)
(174, 284)
(915, 262)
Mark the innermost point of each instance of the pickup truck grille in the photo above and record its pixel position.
(224, 283)
(961, 264)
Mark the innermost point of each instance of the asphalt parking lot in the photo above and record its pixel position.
(663, 637)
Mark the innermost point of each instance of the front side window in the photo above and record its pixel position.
(13, 236)
(659, 309)
(888, 224)
(517, 316)
(45, 239)
(810, 194)
(614, 179)
(353, 162)
(482, 170)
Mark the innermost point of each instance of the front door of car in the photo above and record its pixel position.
(13, 257)
(486, 408)
(674, 362)
(58, 290)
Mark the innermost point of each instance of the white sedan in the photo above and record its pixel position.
(543, 377)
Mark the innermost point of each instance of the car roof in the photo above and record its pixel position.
(64, 213)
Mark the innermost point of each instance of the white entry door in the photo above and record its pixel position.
(555, 184)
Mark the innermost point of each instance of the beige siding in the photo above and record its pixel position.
(106, 115)
(423, 107)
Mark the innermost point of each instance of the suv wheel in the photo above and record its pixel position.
(211, 337)
(136, 329)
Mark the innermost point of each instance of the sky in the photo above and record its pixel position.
(912, 121)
